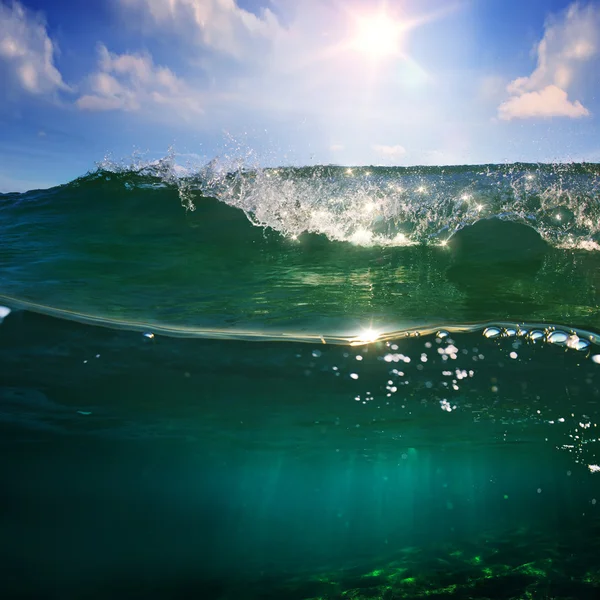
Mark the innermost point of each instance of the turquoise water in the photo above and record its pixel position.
(301, 383)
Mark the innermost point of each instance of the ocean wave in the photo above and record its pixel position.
(224, 246)
(388, 206)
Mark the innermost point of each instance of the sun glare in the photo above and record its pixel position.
(377, 36)
(366, 336)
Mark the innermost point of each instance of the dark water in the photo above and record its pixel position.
(316, 384)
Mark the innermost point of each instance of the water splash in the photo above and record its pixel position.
(391, 206)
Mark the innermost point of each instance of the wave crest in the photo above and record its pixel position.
(390, 206)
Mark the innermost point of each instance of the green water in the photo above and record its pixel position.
(276, 406)
(121, 247)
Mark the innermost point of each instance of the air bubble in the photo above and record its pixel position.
(536, 334)
(558, 337)
(442, 334)
(576, 343)
(491, 332)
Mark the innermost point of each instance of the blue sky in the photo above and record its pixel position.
(401, 82)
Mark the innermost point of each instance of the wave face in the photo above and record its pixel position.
(314, 250)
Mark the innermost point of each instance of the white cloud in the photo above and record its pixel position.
(28, 52)
(549, 102)
(132, 81)
(569, 42)
(389, 151)
(303, 70)
(219, 24)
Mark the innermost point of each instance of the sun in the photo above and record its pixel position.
(377, 36)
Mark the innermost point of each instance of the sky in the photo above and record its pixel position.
(350, 82)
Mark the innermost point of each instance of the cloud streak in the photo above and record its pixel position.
(388, 154)
(389, 151)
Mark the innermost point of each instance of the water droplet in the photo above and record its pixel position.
(576, 343)
(536, 334)
(354, 375)
(510, 332)
(442, 334)
(596, 358)
(558, 337)
(316, 353)
(491, 332)
(581, 345)
(4, 312)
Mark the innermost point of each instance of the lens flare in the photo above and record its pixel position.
(377, 36)
(365, 336)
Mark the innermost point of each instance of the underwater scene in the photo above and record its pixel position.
(318, 383)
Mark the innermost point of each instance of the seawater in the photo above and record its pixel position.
(301, 383)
